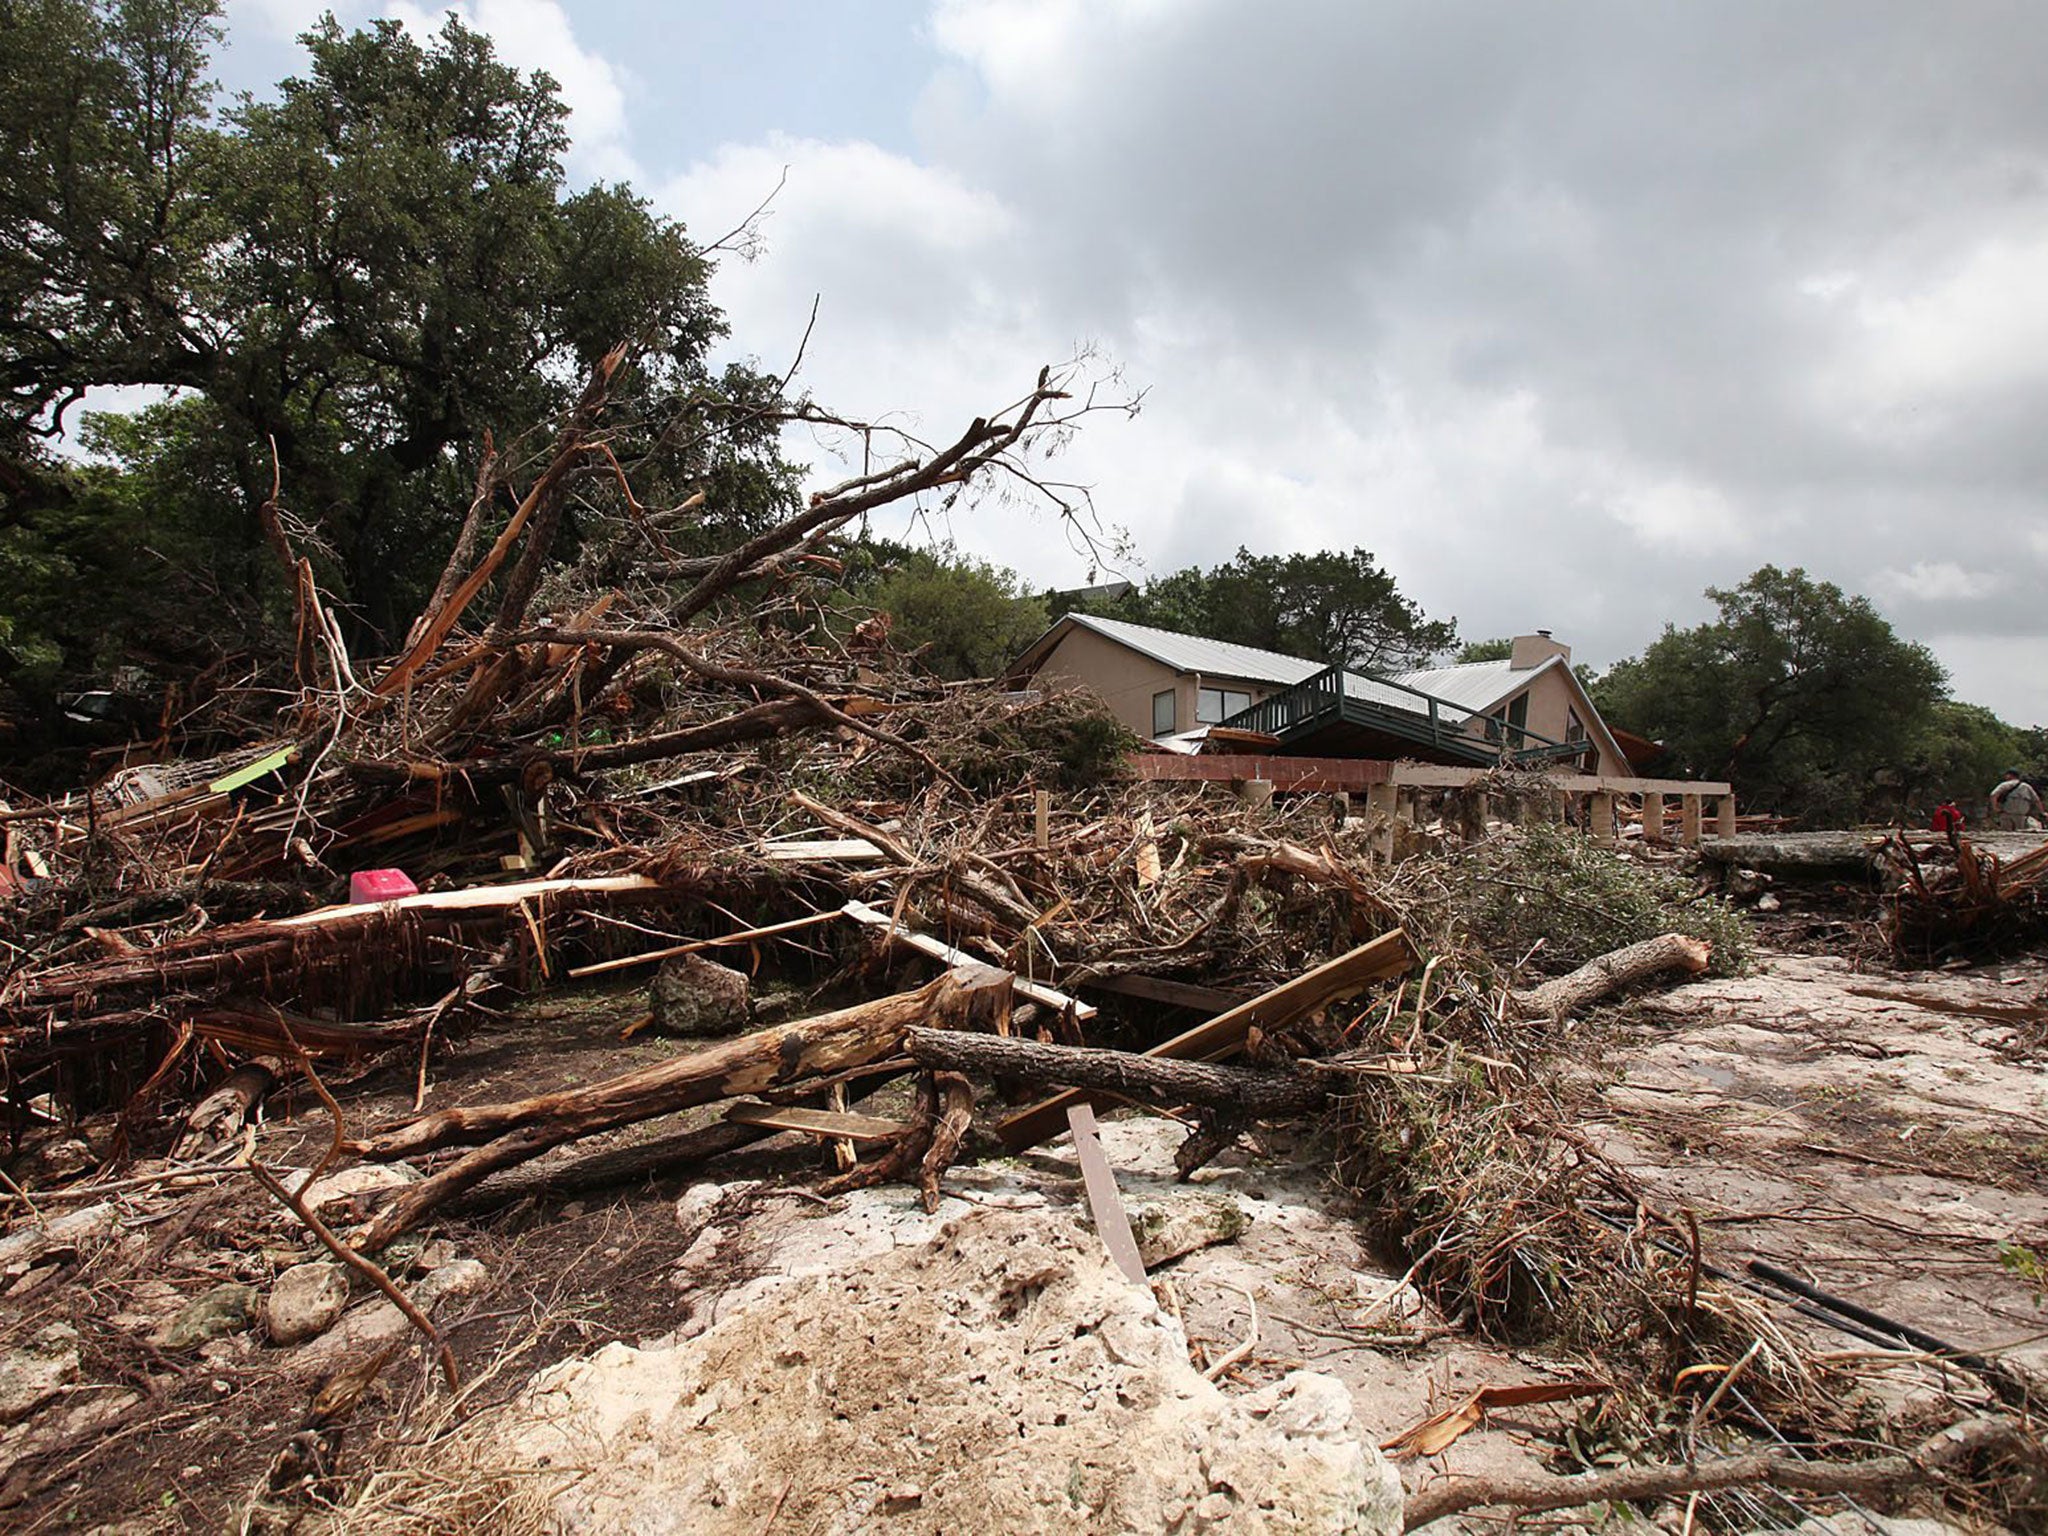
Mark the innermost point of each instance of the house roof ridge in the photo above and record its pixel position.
(1185, 652)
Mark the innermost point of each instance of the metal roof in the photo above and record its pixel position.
(1192, 653)
(1372, 690)
(1476, 686)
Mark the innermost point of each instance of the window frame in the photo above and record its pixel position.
(1172, 697)
(1224, 707)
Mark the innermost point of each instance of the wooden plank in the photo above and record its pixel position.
(1178, 994)
(1223, 1036)
(830, 1125)
(947, 955)
(849, 850)
(251, 772)
(1104, 1203)
(1290, 773)
(1438, 776)
(481, 897)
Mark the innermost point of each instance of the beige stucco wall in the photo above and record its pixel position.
(1550, 697)
(1127, 680)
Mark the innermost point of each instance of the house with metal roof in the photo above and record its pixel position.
(1176, 689)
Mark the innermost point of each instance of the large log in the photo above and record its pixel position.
(1149, 1079)
(267, 954)
(1224, 1035)
(1612, 972)
(523, 1129)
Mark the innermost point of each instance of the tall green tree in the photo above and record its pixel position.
(1799, 694)
(365, 277)
(1483, 650)
(964, 617)
(1329, 605)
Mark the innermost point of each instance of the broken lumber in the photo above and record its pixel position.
(262, 950)
(833, 1125)
(946, 954)
(1148, 1079)
(1223, 1036)
(1613, 972)
(520, 1130)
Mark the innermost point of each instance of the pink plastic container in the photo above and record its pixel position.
(380, 885)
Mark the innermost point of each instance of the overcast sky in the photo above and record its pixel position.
(1565, 310)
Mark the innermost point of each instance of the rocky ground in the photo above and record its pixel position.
(737, 1355)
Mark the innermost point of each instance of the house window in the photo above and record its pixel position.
(1574, 727)
(1162, 713)
(1217, 704)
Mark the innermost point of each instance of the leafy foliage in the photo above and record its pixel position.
(1483, 650)
(1557, 897)
(1325, 606)
(962, 616)
(1798, 693)
(1958, 753)
(367, 277)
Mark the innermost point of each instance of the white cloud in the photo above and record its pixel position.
(1923, 351)
(2005, 671)
(1680, 515)
(1934, 581)
(1567, 312)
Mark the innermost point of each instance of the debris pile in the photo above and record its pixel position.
(1980, 904)
(884, 926)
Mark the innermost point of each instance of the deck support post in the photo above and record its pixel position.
(1724, 817)
(1689, 820)
(1382, 803)
(1600, 816)
(1653, 816)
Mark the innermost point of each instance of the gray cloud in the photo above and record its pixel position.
(1567, 310)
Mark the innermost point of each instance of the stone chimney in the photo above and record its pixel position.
(1533, 650)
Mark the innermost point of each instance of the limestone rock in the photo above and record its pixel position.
(1001, 1378)
(1745, 884)
(697, 997)
(1169, 1230)
(379, 1321)
(215, 1314)
(341, 1196)
(304, 1302)
(38, 1371)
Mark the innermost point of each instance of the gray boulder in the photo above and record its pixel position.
(697, 997)
(304, 1302)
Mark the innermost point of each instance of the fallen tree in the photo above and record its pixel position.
(2018, 1456)
(520, 1130)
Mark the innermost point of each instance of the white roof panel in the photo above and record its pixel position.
(1212, 658)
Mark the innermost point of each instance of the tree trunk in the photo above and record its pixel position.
(523, 1129)
(1612, 972)
(221, 1114)
(1150, 1079)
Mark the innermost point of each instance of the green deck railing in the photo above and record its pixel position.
(1323, 696)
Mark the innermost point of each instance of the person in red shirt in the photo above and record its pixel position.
(1947, 818)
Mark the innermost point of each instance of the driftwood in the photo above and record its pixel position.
(955, 1096)
(609, 1169)
(221, 1114)
(518, 1131)
(1224, 1035)
(1613, 972)
(78, 999)
(1149, 1079)
(1988, 1438)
